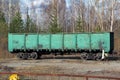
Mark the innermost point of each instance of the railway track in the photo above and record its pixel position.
(86, 77)
(58, 67)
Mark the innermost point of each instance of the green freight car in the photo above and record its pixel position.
(88, 45)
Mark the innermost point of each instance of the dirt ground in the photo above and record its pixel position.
(62, 65)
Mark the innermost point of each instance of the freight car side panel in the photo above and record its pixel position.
(10, 47)
(44, 41)
(100, 41)
(97, 41)
(31, 41)
(107, 42)
(16, 42)
(83, 41)
(70, 41)
(56, 41)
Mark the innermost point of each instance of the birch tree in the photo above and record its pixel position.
(54, 20)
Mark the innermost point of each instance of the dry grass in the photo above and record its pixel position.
(4, 48)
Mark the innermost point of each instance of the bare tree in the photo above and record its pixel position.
(113, 5)
(73, 16)
(61, 13)
(80, 10)
(105, 10)
(98, 8)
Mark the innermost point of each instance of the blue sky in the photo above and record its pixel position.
(68, 3)
(27, 2)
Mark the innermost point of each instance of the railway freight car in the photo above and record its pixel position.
(87, 45)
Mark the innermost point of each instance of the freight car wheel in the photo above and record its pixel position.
(98, 56)
(34, 55)
(84, 56)
(19, 55)
(24, 56)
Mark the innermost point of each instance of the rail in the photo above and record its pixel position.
(86, 77)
